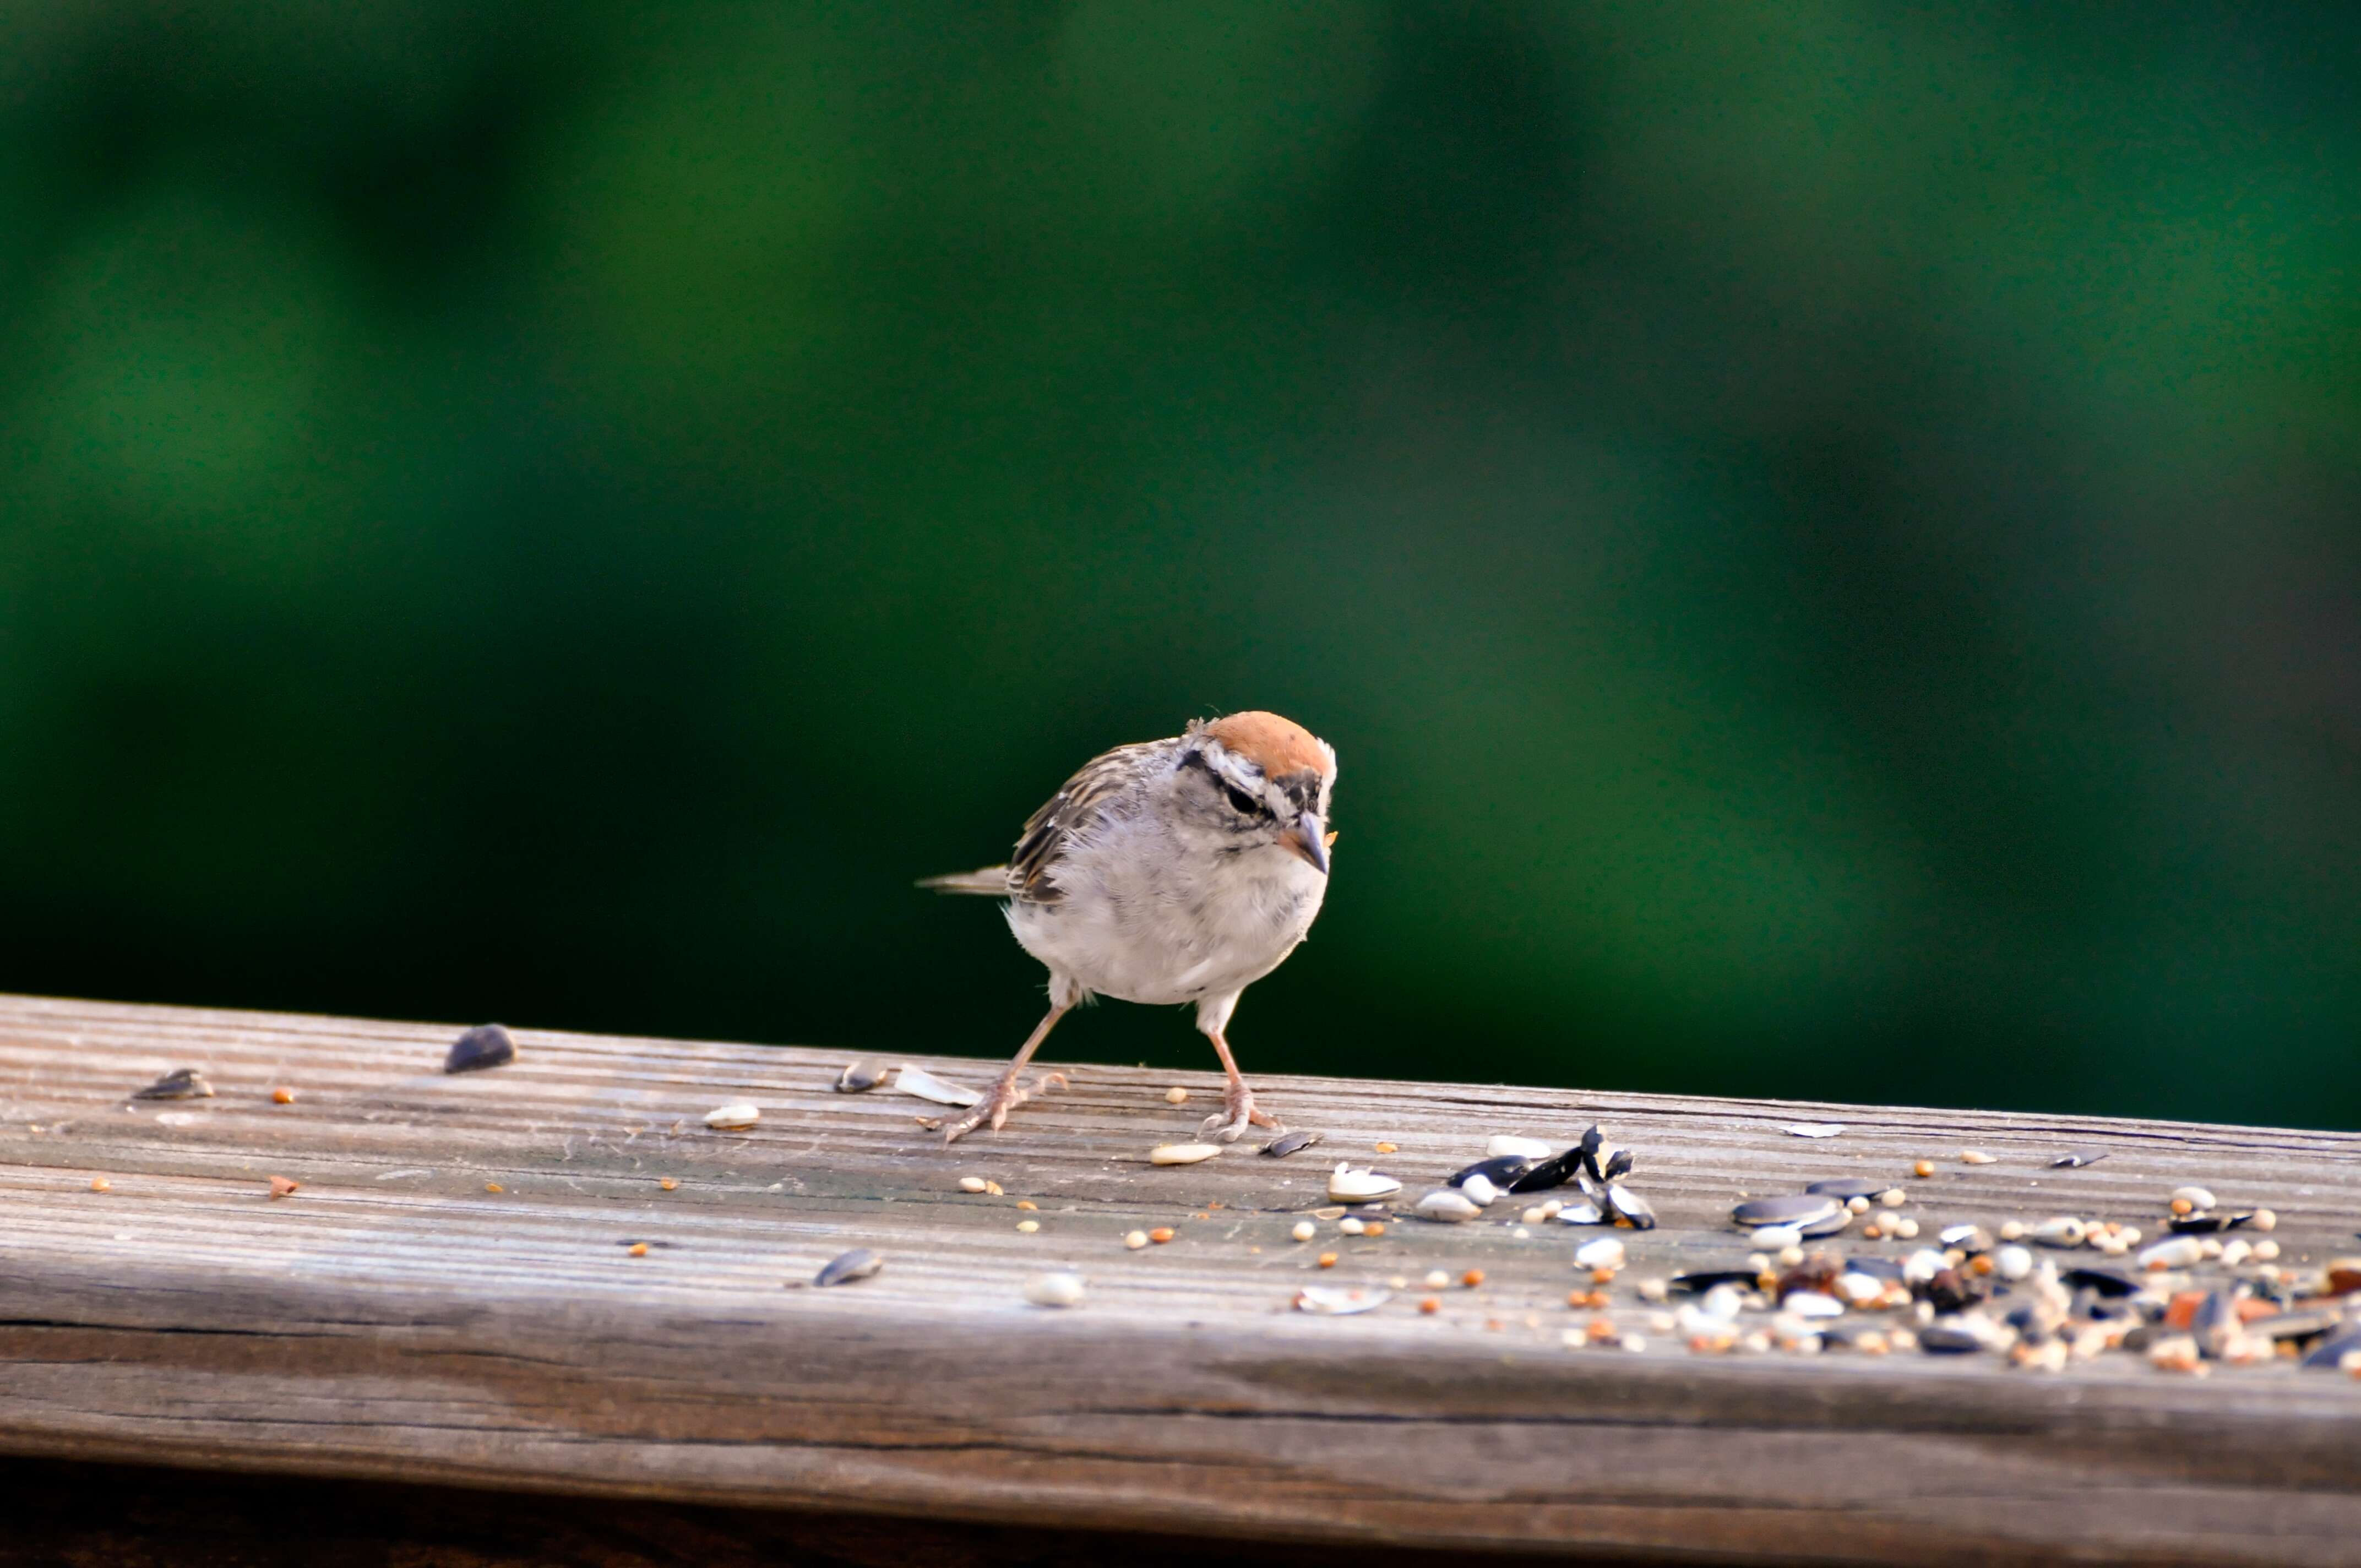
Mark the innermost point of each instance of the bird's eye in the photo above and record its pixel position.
(1244, 803)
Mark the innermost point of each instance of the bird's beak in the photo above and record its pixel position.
(1310, 840)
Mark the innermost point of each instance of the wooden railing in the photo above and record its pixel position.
(553, 1277)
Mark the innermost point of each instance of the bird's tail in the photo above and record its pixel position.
(990, 881)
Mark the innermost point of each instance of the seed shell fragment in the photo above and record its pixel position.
(847, 1267)
(735, 1115)
(1182, 1154)
(1449, 1205)
(2076, 1160)
(180, 1083)
(1287, 1144)
(1332, 1301)
(1346, 1185)
(917, 1081)
(857, 1078)
(485, 1045)
(1813, 1129)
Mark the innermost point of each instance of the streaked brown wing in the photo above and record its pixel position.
(1032, 867)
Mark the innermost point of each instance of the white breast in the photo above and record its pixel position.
(1148, 916)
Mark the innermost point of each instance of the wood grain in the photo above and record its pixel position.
(399, 1319)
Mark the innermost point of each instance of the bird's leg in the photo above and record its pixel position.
(1238, 1110)
(1007, 1094)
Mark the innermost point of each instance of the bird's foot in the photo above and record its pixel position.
(1005, 1095)
(1237, 1114)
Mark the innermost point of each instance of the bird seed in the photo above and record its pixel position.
(485, 1045)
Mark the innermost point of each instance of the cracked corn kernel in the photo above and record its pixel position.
(1436, 1279)
(100, 1184)
(1472, 1279)
(639, 1249)
(1924, 1167)
(1327, 1260)
(280, 1187)
(1161, 1234)
(1028, 1226)
(1386, 1148)
(1374, 1228)
(1176, 1095)
(970, 1183)
(1027, 1203)
(1135, 1240)
(1305, 1231)
(668, 1184)
(494, 1187)
(991, 1189)
(1430, 1304)
(282, 1097)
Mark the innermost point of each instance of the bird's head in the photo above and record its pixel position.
(1262, 779)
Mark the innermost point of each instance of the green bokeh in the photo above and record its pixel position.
(1827, 537)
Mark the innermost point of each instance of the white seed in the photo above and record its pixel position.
(1446, 1204)
(1176, 1095)
(2011, 1230)
(1977, 1157)
(1723, 1301)
(1892, 1198)
(1633, 1345)
(1519, 1233)
(1479, 1191)
(2267, 1252)
(2211, 1247)
(737, 1113)
(2061, 1230)
(1859, 1290)
(1436, 1279)
(972, 1184)
(2264, 1220)
(1028, 1226)
(1059, 1289)
(1305, 1231)
(1605, 1252)
(1776, 1236)
(2178, 1252)
(1653, 1289)
(1181, 1154)
(1135, 1240)
(2197, 1198)
(1351, 1226)
(1923, 1265)
(1759, 1262)
(1791, 1256)
(1536, 1215)
(1332, 1302)
(2130, 1235)
(1346, 1185)
(2014, 1261)
(2234, 1252)
(1857, 1204)
(1906, 1229)
(1502, 1145)
(1812, 1304)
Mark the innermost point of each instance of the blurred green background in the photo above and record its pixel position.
(1827, 537)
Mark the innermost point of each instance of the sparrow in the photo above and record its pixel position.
(1169, 871)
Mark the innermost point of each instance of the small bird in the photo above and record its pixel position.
(1176, 871)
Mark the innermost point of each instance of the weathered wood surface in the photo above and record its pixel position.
(398, 1319)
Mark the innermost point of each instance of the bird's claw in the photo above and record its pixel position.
(1004, 1096)
(1237, 1114)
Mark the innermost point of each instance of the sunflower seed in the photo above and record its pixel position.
(486, 1045)
(1480, 1191)
(1060, 1288)
(1957, 1235)
(2103, 1281)
(1447, 1204)
(1502, 1145)
(1847, 1187)
(2076, 1160)
(1553, 1172)
(1940, 1339)
(2206, 1224)
(1801, 1209)
(857, 1078)
(1287, 1144)
(1346, 1185)
(1333, 1302)
(917, 1081)
(2180, 1252)
(737, 1113)
(1182, 1154)
(2330, 1353)
(1500, 1171)
(1826, 1227)
(180, 1083)
(1630, 1207)
(847, 1267)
